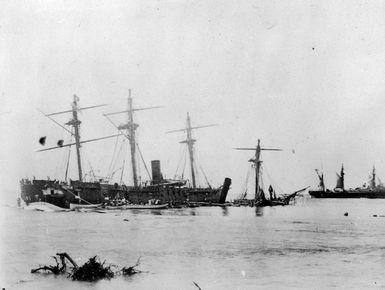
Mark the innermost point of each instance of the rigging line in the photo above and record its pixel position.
(68, 159)
(56, 122)
(197, 179)
(92, 171)
(201, 168)
(144, 163)
(185, 161)
(126, 135)
(113, 155)
(116, 158)
(121, 175)
(245, 185)
(181, 154)
(179, 161)
(276, 185)
(207, 180)
(136, 158)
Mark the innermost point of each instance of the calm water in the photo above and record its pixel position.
(311, 245)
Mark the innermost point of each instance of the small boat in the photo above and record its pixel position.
(84, 206)
(146, 206)
(117, 207)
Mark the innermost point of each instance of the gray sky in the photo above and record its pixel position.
(302, 75)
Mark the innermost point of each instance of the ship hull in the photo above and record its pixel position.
(356, 193)
(85, 193)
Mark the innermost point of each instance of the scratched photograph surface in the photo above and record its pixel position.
(192, 144)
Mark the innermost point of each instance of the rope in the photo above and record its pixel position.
(261, 178)
(113, 154)
(138, 167)
(245, 185)
(196, 170)
(121, 175)
(92, 170)
(144, 163)
(272, 181)
(185, 161)
(69, 155)
(182, 150)
(201, 168)
(116, 159)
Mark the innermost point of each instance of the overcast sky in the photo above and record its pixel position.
(304, 76)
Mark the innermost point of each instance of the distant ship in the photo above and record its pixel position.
(373, 190)
(159, 190)
(260, 199)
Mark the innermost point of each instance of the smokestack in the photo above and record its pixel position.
(156, 173)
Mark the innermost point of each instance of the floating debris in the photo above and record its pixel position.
(131, 270)
(92, 270)
(346, 214)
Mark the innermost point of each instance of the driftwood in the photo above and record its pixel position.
(131, 270)
(92, 270)
(57, 269)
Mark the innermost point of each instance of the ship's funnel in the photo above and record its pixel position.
(225, 190)
(156, 172)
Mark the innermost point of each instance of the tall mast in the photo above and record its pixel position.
(76, 124)
(373, 181)
(342, 177)
(257, 164)
(190, 144)
(131, 127)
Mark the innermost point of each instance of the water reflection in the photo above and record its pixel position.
(225, 211)
(258, 211)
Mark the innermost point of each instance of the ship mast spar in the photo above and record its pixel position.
(75, 123)
(257, 164)
(131, 127)
(190, 144)
(373, 179)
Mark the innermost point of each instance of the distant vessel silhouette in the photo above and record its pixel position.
(374, 190)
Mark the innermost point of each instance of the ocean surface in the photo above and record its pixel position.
(309, 245)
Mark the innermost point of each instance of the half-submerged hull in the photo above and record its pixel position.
(44, 206)
(87, 194)
(61, 194)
